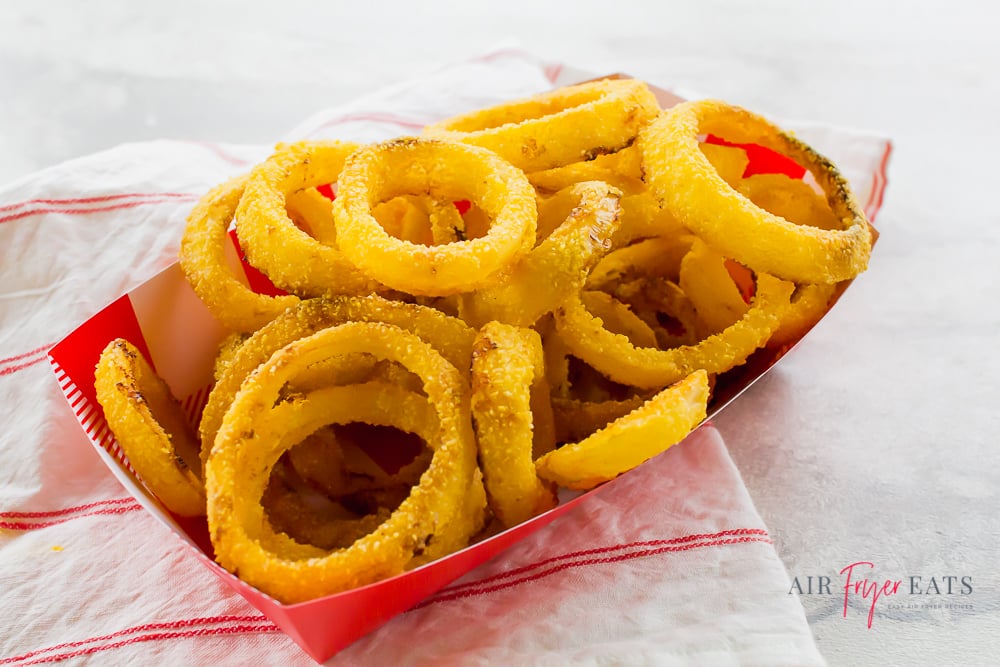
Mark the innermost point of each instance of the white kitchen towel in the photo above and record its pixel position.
(670, 565)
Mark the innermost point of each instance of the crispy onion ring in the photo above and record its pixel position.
(456, 171)
(291, 258)
(650, 429)
(292, 421)
(451, 337)
(688, 185)
(507, 366)
(557, 267)
(557, 128)
(243, 456)
(150, 427)
(614, 356)
(203, 260)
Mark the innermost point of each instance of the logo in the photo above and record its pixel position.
(859, 583)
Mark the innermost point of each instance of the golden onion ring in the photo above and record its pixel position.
(452, 337)
(241, 461)
(291, 258)
(614, 356)
(292, 421)
(557, 128)
(203, 260)
(456, 171)
(687, 184)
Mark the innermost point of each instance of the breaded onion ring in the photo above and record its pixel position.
(203, 260)
(687, 184)
(291, 258)
(557, 128)
(294, 420)
(614, 356)
(451, 337)
(446, 170)
(241, 461)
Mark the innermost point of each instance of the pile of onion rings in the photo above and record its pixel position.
(536, 295)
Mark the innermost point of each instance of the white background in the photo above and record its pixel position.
(876, 440)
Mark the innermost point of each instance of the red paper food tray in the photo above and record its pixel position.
(168, 323)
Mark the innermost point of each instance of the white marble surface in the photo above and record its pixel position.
(876, 438)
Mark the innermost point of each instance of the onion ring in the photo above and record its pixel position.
(292, 421)
(450, 336)
(557, 128)
(233, 507)
(291, 258)
(614, 356)
(687, 184)
(203, 260)
(456, 171)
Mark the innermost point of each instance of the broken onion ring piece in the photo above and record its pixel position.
(150, 427)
